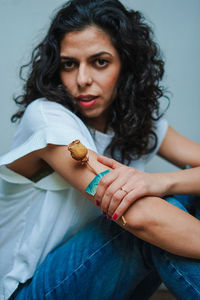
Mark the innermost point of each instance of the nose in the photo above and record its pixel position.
(84, 77)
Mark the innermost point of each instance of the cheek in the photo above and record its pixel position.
(110, 83)
(66, 81)
(62, 78)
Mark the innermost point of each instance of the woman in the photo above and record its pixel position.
(96, 77)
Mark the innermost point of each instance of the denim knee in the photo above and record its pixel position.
(180, 275)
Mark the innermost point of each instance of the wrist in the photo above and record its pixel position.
(171, 184)
(176, 183)
(168, 183)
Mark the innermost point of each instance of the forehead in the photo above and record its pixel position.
(89, 40)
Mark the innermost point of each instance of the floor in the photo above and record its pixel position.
(162, 295)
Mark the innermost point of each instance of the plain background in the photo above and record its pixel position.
(176, 24)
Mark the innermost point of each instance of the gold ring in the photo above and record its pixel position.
(123, 189)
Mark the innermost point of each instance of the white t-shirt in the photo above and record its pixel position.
(37, 217)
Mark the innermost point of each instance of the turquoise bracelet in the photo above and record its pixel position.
(92, 187)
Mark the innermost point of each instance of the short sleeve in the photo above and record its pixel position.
(45, 122)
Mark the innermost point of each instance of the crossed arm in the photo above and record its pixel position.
(150, 217)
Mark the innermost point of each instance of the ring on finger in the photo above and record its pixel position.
(123, 189)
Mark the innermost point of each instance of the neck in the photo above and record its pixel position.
(97, 123)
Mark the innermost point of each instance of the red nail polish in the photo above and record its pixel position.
(114, 217)
(97, 203)
(104, 213)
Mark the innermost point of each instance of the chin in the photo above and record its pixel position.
(91, 114)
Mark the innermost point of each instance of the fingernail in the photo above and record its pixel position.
(104, 213)
(114, 217)
(97, 203)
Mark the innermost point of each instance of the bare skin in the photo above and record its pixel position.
(90, 67)
(150, 218)
(139, 184)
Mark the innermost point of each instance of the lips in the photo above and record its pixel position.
(87, 100)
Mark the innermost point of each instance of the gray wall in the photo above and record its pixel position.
(176, 25)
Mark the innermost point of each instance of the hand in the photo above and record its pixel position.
(120, 188)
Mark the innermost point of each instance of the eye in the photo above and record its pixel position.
(100, 62)
(68, 65)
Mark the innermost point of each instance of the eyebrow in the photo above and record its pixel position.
(92, 56)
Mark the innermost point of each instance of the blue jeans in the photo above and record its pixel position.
(104, 262)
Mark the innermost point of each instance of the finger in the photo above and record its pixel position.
(109, 162)
(114, 194)
(103, 185)
(127, 201)
(115, 201)
(111, 197)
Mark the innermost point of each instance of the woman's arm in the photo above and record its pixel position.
(153, 225)
(162, 224)
(176, 149)
(182, 152)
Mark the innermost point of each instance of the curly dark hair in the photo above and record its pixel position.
(136, 106)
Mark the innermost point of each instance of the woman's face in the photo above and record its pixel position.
(90, 67)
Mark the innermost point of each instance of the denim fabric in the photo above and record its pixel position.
(104, 262)
(183, 275)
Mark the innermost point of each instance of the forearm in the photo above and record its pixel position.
(165, 226)
(183, 182)
(154, 221)
(181, 152)
(76, 174)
